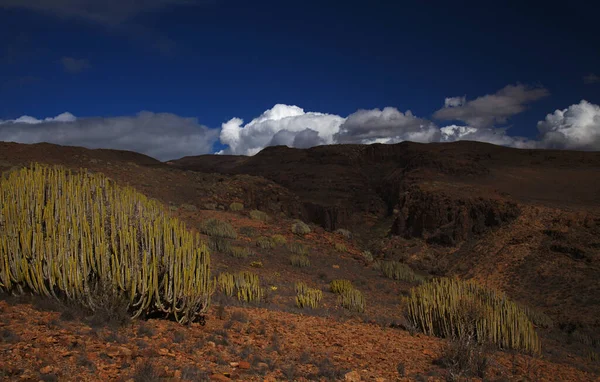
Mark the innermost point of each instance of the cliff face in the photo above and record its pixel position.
(444, 193)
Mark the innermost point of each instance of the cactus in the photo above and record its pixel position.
(399, 271)
(300, 261)
(447, 307)
(63, 232)
(307, 297)
(353, 300)
(244, 285)
(339, 286)
(265, 242)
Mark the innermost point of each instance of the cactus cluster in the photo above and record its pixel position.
(244, 285)
(300, 261)
(63, 232)
(353, 300)
(447, 307)
(349, 297)
(340, 285)
(307, 297)
(218, 228)
(399, 271)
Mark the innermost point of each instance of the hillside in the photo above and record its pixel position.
(524, 221)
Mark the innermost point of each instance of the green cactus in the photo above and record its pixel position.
(299, 261)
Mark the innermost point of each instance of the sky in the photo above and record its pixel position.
(172, 78)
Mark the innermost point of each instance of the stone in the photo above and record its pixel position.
(352, 376)
(234, 364)
(46, 370)
(244, 365)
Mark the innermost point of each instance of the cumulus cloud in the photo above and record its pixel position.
(496, 136)
(282, 124)
(576, 127)
(455, 101)
(73, 65)
(385, 126)
(591, 79)
(491, 109)
(160, 135)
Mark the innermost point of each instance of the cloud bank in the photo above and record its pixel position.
(163, 136)
(167, 136)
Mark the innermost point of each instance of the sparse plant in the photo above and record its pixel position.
(464, 357)
(368, 256)
(344, 232)
(265, 242)
(399, 271)
(236, 206)
(300, 228)
(353, 300)
(307, 297)
(218, 228)
(340, 247)
(259, 215)
(279, 239)
(300, 261)
(256, 264)
(220, 244)
(297, 248)
(189, 207)
(339, 286)
(146, 373)
(239, 252)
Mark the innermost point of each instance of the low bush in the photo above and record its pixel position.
(300, 261)
(218, 228)
(300, 228)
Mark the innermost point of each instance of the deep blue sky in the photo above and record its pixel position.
(225, 59)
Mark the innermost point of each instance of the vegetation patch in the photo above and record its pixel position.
(63, 234)
(235, 207)
(399, 271)
(279, 239)
(259, 215)
(244, 285)
(300, 228)
(307, 297)
(341, 247)
(451, 308)
(265, 242)
(297, 248)
(239, 252)
(300, 261)
(218, 228)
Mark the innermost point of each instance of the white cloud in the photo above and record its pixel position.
(282, 124)
(160, 135)
(386, 126)
(576, 127)
(496, 136)
(491, 109)
(455, 101)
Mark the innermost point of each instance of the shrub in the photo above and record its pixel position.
(307, 297)
(399, 271)
(259, 215)
(300, 228)
(353, 300)
(94, 231)
(248, 231)
(245, 285)
(464, 357)
(265, 242)
(256, 264)
(341, 247)
(340, 286)
(279, 239)
(235, 206)
(300, 261)
(189, 207)
(344, 232)
(239, 252)
(297, 248)
(451, 307)
(368, 256)
(220, 244)
(218, 228)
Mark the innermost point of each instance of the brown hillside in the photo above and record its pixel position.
(524, 221)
